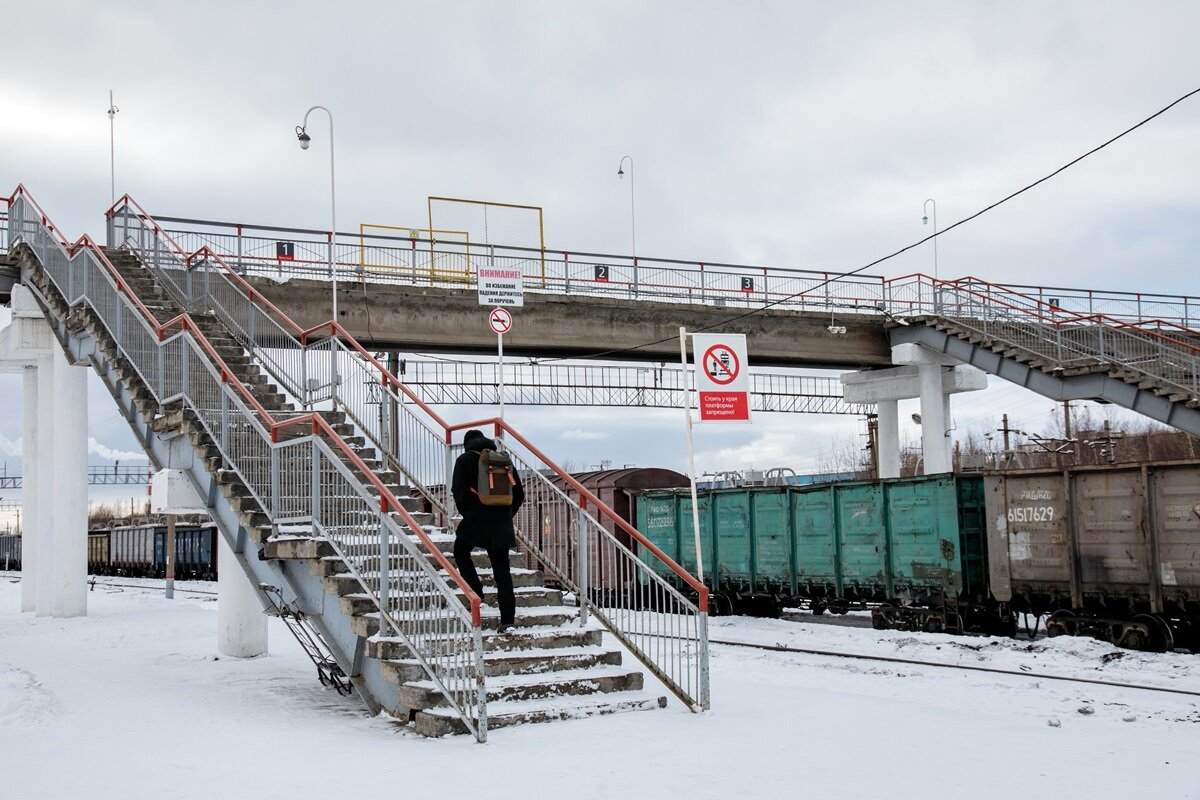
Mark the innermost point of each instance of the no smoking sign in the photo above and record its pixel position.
(500, 321)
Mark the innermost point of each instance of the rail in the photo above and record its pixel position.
(414, 439)
(420, 261)
(1074, 343)
(616, 574)
(355, 515)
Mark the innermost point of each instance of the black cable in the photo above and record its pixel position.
(901, 251)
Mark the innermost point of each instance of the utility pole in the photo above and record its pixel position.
(873, 443)
(1067, 419)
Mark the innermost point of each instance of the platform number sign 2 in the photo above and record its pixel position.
(602, 273)
(285, 251)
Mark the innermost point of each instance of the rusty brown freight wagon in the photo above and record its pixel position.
(1112, 552)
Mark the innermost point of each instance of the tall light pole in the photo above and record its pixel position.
(112, 148)
(632, 215)
(925, 221)
(305, 140)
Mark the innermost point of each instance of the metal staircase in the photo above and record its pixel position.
(318, 505)
(1148, 366)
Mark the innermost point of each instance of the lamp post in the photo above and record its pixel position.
(305, 140)
(925, 221)
(632, 215)
(112, 148)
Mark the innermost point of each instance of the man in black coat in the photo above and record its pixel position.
(489, 527)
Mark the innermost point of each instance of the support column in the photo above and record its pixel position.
(31, 451)
(43, 535)
(241, 624)
(889, 439)
(933, 419)
(62, 580)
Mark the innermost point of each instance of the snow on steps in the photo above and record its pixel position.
(549, 668)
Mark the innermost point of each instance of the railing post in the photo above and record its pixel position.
(224, 420)
(449, 468)
(583, 559)
(275, 509)
(385, 572)
(702, 639)
(316, 483)
(161, 369)
(250, 326)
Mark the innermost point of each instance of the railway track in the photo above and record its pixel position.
(942, 665)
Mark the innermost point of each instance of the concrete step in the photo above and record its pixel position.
(544, 637)
(354, 603)
(501, 714)
(513, 662)
(423, 694)
(367, 625)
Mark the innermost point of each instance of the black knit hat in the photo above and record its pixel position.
(473, 434)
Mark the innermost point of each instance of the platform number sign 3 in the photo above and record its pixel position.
(747, 284)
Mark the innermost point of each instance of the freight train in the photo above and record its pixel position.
(139, 550)
(1111, 552)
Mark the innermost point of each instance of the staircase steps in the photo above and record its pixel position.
(548, 668)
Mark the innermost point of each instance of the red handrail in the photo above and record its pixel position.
(254, 295)
(603, 507)
(319, 423)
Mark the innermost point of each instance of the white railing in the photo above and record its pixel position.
(417, 443)
(313, 478)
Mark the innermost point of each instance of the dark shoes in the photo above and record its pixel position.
(506, 628)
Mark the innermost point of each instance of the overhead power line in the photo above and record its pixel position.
(876, 262)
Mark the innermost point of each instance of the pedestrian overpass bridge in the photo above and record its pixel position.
(212, 340)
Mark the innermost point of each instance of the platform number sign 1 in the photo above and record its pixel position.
(602, 273)
(285, 251)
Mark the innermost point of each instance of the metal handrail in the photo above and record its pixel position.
(696, 692)
(58, 264)
(1183, 310)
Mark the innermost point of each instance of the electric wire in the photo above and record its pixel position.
(876, 262)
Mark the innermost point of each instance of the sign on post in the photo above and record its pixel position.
(722, 377)
(500, 286)
(500, 321)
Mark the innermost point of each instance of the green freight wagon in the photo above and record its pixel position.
(912, 547)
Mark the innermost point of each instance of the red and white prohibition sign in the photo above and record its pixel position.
(500, 321)
(721, 364)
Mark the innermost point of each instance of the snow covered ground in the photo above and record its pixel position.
(132, 702)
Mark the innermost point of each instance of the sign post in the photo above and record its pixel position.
(500, 320)
(687, 415)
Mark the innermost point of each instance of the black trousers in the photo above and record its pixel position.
(501, 574)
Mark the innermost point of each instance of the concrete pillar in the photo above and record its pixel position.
(948, 439)
(241, 624)
(30, 485)
(43, 535)
(933, 419)
(62, 571)
(889, 438)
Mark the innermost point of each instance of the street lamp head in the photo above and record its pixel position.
(924, 220)
(302, 135)
(620, 172)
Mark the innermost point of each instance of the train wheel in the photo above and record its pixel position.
(817, 609)
(1160, 639)
(935, 621)
(883, 617)
(1060, 623)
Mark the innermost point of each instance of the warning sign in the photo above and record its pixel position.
(500, 321)
(722, 382)
(501, 286)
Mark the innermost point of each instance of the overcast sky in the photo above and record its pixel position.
(800, 134)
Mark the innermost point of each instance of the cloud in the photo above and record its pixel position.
(583, 436)
(95, 448)
(10, 448)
